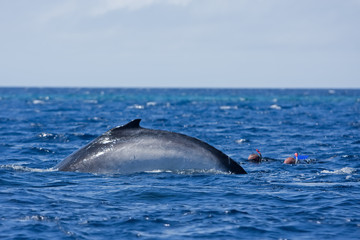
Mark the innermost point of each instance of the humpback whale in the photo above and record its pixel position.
(131, 148)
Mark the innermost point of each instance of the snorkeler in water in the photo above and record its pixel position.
(291, 160)
(296, 160)
(258, 158)
(255, 157)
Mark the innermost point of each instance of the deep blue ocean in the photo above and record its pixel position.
(319, 198)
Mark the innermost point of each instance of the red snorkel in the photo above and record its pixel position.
(259, 154)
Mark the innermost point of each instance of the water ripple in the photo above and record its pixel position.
(315, 199)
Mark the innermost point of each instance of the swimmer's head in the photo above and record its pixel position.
(254, 158)
(291, 160)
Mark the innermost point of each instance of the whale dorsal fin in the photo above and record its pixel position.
(133, 124)
(130, 125)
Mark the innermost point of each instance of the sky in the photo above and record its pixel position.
(180, 43)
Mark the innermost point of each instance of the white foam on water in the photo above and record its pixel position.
(275, 106)
(36, 101)
(345, 170)
(151, 104)
(137, 106)
(189, 171)
(27, 169)
(241, 141)
(158, 171)
(34, 218)
(94, 101)
(228, 107)
(323, 184)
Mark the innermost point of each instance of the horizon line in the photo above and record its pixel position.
(185, 87)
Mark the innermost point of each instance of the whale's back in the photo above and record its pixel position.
(131, 148)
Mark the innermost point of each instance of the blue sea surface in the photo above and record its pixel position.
(319, 198)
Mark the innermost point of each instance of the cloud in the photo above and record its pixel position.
(104, 7)
(58, 11)
(96, 8)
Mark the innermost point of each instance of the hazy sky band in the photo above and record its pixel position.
(180, 43)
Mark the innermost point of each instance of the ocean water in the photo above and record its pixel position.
(319, 198)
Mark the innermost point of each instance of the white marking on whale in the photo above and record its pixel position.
(131, 148)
